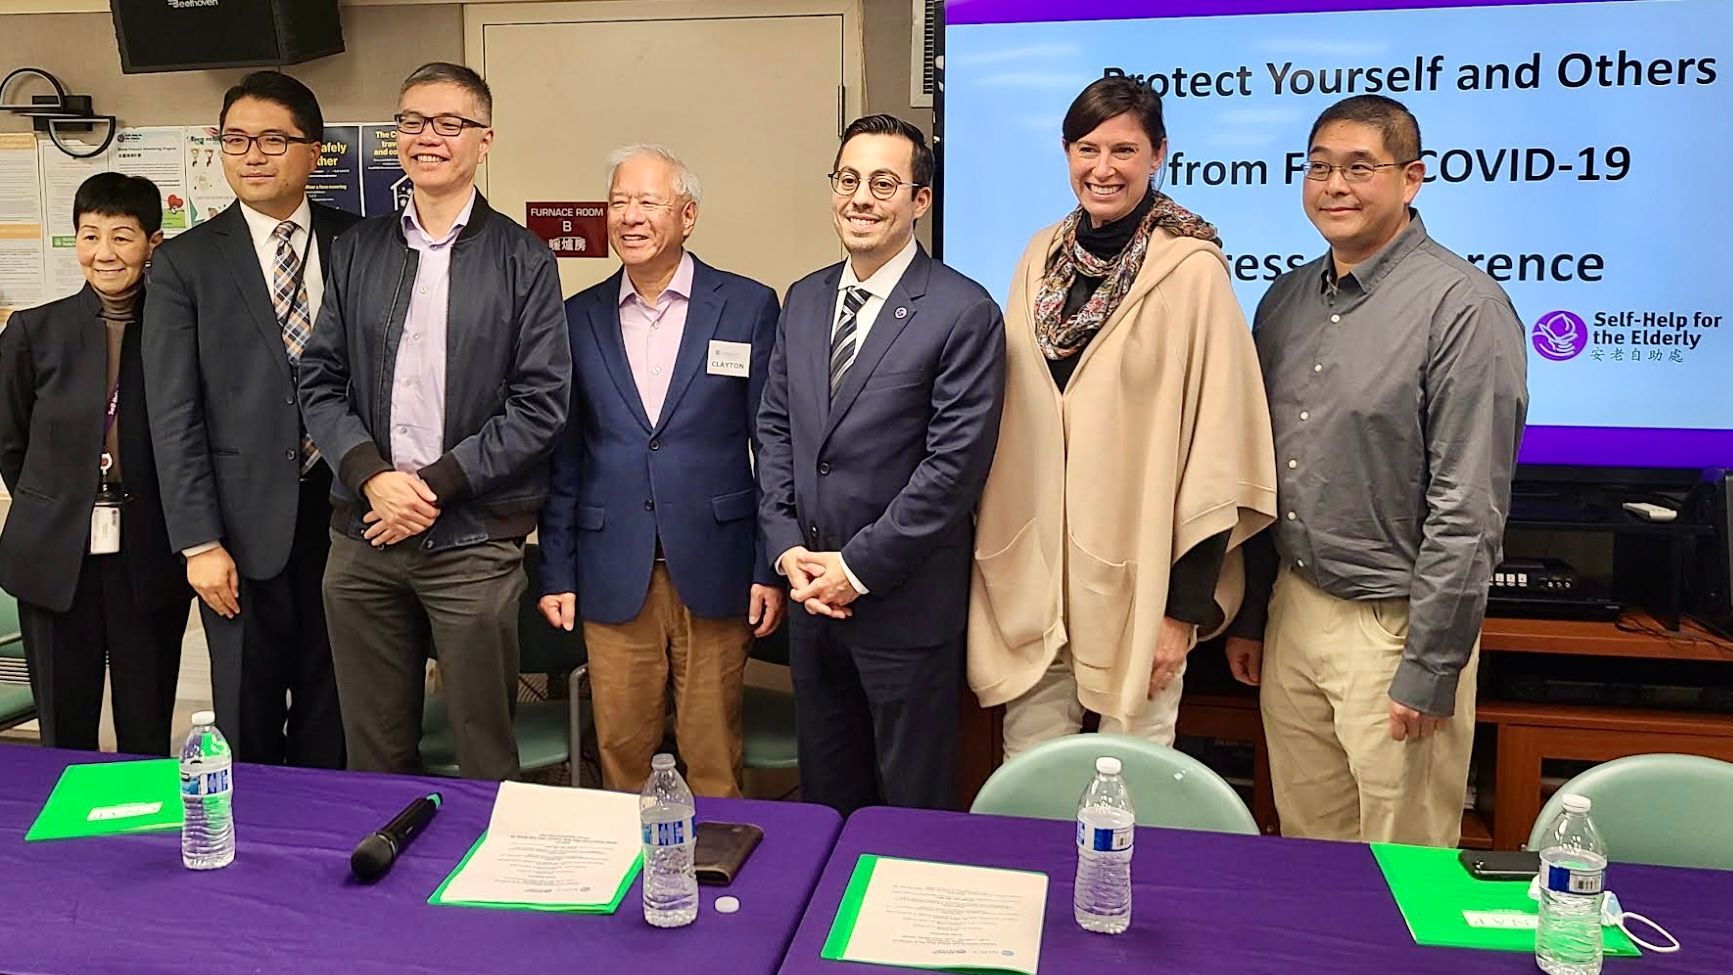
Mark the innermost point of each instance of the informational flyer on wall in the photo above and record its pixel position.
(155, 153)
(61, 176)
(20, 224)
(208, 192)
(336, 180)
(384, 186)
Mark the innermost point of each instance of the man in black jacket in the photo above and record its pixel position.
(437, 380)
(231, 304)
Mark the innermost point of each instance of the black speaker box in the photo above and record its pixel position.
(182, 35)
(1711, 581)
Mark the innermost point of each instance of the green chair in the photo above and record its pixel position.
(1670, 810)
(768, 715)
(17, 705)
(1168, 788)
(548, 732)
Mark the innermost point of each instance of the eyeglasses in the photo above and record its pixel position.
(1355, 172)
(883, 186)
(410, 123)
(271, 143)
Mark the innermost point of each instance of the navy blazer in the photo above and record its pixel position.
(619, 482)
(890, 471)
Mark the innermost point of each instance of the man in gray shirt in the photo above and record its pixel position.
(1396, 375)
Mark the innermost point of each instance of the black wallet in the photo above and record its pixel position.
(723, 849)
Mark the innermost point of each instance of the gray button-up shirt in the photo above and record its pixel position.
(1398, 395)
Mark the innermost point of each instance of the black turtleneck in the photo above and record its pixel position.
(1191, 585)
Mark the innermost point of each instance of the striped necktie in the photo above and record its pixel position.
(289, 296)
(842, 341)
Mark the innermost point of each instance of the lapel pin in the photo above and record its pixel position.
(902, 313)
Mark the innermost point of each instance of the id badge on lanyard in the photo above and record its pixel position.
(105, 516)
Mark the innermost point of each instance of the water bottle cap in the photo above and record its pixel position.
(1576, 803)
(1107, 765)
(662, 762)
(204, 717)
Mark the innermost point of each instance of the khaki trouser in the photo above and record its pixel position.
(1050, 709)
(630, 666)
(1337, 772)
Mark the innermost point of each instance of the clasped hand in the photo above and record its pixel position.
(817, 582)
(403, 505)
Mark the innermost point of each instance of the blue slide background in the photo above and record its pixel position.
(1663, 230)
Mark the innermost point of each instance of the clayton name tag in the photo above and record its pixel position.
(730, 359)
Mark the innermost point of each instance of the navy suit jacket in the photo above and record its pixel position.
(619, 481)
(888, 472)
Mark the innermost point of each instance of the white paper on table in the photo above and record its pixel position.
(551, 845)
(950, 915)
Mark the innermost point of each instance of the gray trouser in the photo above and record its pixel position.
(386, 610)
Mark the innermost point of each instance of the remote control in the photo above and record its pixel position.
(1650, 512)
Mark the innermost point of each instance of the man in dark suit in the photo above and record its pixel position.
(879, 421)
(231, 305)
(650, 532)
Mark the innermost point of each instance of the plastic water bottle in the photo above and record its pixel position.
(207, 786)
(665, 811)
(1105, 824)
(1573, 872)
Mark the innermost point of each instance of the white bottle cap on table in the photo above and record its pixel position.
(727, 905)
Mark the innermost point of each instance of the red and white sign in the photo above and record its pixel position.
(571, 229)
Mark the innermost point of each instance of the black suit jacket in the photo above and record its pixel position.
(890, 470)
(53, 398)
(223, 403)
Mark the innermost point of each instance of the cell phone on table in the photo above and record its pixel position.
(1501, 864)
(723, 848)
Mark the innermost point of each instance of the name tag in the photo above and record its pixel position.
(730, 359)
(104, 529)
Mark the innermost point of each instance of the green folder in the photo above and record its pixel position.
(109, 798)
(848, 912)
(438, 896)
(1448, 907)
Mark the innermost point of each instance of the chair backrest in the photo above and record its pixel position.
(541, 648)
(11, 638)
(773, 649)
(1671, 810)
(1168, 787)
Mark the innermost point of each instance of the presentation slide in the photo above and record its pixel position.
(1572, 151)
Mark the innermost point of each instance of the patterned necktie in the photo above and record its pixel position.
(289, 296)
(842, 343)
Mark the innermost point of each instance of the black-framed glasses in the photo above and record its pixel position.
(1354, 172)
(883, 185)
(271, 143)
(410, 123)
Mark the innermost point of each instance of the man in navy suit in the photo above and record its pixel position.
(879, 421)
(650, 532)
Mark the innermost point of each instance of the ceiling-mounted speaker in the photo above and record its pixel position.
(184, 35)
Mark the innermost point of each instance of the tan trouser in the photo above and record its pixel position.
(1337, 773)
(630, 665)
(1050, 709)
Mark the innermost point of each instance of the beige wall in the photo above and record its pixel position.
(384, 44)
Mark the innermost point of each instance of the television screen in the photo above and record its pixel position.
(1572, 148)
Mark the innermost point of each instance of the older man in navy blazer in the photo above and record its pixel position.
(650, 533)
(879, 421)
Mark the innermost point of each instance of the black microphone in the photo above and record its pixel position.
(375, 854)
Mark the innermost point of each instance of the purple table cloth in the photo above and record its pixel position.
(1214, 904)
(125, 904)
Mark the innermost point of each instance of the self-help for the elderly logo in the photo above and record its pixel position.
(1560, 335)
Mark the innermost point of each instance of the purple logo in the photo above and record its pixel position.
(1560, 335)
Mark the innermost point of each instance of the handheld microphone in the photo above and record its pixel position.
(374, 855)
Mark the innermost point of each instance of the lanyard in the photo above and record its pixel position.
(106, 461)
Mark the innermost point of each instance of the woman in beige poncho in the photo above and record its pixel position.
(1134, 454)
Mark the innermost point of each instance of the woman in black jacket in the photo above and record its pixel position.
(84, 549)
